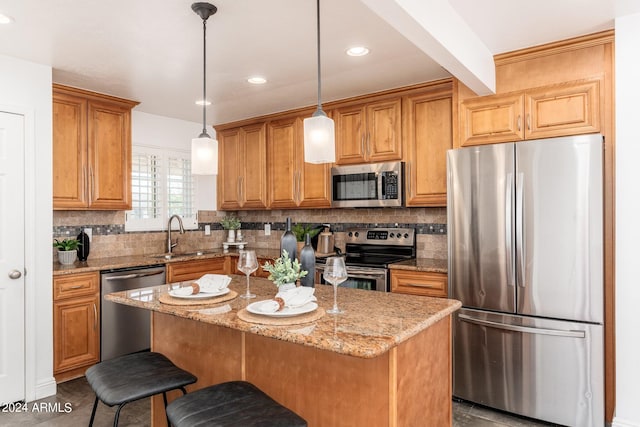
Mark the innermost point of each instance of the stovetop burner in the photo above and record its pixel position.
(378, 247)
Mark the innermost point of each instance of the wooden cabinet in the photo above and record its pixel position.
(76, 324)
(195, 269)
(233, 267)
(91, 150)
(558, 110)
(292, 182)
(369, 132)
(427, 122)
(419, 283)
(242, 178)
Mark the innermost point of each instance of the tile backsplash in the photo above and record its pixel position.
(110, 239)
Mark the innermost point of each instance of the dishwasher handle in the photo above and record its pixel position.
(135, 275)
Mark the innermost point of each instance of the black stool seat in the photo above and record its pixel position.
(135, 376)
(235, 403)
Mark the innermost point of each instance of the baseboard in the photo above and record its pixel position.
(45, 388)
(619, 422)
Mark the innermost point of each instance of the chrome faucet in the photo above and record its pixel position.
(170, 244)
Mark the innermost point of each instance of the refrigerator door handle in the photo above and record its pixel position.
(524, 329)
(520, 256)
(508, 229)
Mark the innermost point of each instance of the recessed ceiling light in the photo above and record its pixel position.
(201, 102)
(357, 51)
(257, 80)
(5, 19)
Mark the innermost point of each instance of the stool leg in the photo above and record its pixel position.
(93, 412)
(164, 397)
(117, 417)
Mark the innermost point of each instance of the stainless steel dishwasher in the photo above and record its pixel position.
(125, 329)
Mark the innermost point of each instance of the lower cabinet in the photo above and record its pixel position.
(192, 270)
(419, 283)
(76, 324)
(233, 267)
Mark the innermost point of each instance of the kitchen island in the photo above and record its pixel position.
(385, 362)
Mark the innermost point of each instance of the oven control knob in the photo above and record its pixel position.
(391, 235)
(357, 234)
(351, 234)
(406, 235)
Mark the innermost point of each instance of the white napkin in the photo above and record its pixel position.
(186, 291)
(293, 298)
(213, 283)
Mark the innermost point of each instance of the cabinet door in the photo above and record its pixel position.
(229, 176)
(419, 283)
(314, 183)
(76, 324)
(192, 270)
(350, 134)
(428, 136)
(491, 119)
(253, 187)
(70, 171)
(568, 109)
(383, 139)
(284, 162)
(109, 153)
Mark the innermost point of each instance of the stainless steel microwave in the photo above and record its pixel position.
(370, 185)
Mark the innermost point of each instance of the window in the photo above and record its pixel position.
(161, 185)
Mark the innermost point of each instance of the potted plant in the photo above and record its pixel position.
(230, 223)
(299, 230)
(283, 272)
(67, 250)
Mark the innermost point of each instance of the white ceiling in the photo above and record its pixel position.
(152, 51)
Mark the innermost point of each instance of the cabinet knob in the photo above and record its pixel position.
(15, 274)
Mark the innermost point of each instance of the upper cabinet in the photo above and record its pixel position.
(292, 182)
(428, 135)
(242, 178)
(91, 150)
(368, 132)
(564, 109)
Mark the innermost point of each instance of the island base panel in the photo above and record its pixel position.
(407, 386)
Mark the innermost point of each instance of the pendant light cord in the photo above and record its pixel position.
(204, 133)
(318, 43)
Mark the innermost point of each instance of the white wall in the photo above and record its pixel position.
(27, 86)
(627, 411)
(165, 132)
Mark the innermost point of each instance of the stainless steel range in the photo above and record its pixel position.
(369, 251)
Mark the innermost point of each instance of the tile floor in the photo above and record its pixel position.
(72, 407)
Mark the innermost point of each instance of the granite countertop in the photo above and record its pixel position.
(422, 264)
(373, 322)
(110, 263)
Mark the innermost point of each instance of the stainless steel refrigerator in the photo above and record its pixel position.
(525, 235)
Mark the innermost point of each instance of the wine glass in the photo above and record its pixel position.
(248, 263)
(335, 273)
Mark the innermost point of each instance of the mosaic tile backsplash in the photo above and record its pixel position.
(110, 239)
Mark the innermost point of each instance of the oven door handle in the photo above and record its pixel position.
(373, 276)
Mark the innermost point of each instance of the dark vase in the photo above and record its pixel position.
(288, 241)
(308, 262)
(83, 249)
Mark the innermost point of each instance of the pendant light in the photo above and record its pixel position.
(319, 130)
(204, 149)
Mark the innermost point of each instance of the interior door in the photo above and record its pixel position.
(12, 354)
(480, 195)
(559, 261)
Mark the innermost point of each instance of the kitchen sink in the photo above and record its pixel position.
(180, 254)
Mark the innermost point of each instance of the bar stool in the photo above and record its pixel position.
(234, 403)
(132, 377)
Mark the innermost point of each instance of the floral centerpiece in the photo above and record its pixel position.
(284, 271)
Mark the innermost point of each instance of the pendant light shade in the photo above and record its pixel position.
(204, 156)
(204, 149)
(319, 130)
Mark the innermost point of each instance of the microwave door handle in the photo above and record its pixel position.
(383, 185)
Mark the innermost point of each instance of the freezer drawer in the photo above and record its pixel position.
(546, 369)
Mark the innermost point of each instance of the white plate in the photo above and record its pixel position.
(201, 295)
(255, 308)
